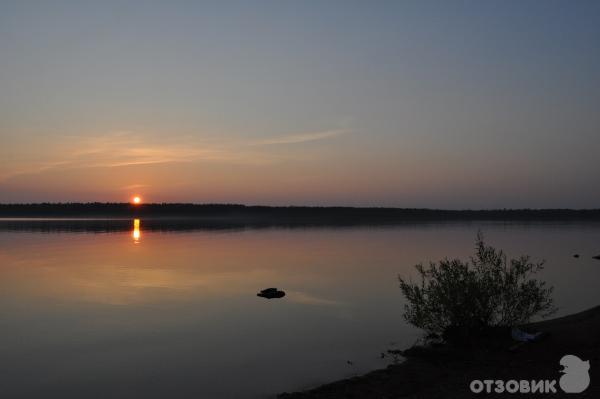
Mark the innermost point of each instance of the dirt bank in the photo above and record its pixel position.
(447, 374)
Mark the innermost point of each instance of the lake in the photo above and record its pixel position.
(98, 313)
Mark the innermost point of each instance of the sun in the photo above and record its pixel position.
(136, 200)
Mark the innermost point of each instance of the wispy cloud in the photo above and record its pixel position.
(303, 137)
(128, 149)
(121, 149)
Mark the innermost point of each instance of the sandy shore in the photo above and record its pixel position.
(447, 374)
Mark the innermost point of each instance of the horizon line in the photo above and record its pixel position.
(233, 204)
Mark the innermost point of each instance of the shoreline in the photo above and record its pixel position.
(234, 213)
(112, 217)
(195, 223)
(447, 374)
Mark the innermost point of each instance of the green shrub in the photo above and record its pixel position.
(487, 291)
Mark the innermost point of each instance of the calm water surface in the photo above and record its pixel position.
(175, 314)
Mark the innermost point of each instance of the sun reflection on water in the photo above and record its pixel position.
(137, 235)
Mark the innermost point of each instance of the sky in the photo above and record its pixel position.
(443, 104)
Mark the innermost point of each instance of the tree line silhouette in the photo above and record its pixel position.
(284, 214)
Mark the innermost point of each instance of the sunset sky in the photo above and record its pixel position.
(475, 104)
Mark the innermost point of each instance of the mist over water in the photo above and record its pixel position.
(100, 312)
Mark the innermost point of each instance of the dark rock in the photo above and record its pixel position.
(271, 293)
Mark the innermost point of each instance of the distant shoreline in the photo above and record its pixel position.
(101, 217)
(234, 213)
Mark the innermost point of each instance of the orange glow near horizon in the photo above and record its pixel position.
(136, 200)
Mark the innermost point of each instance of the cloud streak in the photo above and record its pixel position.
(122, 149)
(128, 149)
(303, 137)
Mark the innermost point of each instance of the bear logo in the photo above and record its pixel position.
(576, 376)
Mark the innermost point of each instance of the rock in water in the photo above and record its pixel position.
(271, 293)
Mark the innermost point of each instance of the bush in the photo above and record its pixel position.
(469, 297)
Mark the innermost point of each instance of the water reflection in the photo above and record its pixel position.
(180, 313)
(136, 234)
